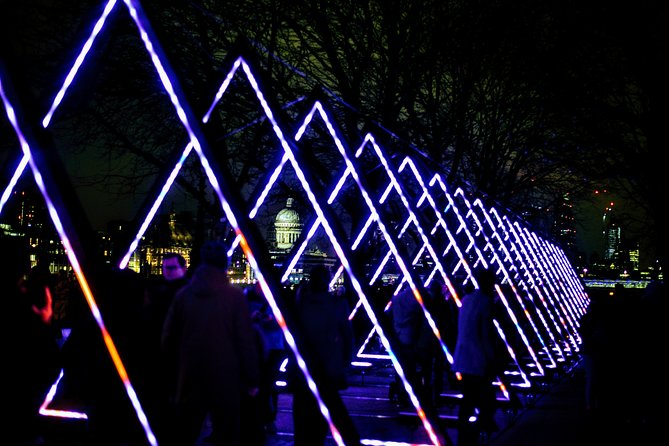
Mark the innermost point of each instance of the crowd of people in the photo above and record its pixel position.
(202, 351)
(196, 350)
(201, 354)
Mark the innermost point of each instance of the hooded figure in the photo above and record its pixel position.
(209, 331)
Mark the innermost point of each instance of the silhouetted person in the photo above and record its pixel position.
(209, 329)
(325, 339)
(476, 358)
(429, 354)
(159, 380)
(444, 310)
(263, 318)
(408, 328)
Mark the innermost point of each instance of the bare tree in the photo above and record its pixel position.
(518, 101)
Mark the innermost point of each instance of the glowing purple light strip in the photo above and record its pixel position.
(268, 186)
(300, 250)
(266, 291)
(398, 188)
(234, 245)
(74, 261)
(559, 279)
(44, 410)
(555, 296)
(570, 298)
(320, 218)
(167, 84)
(156, 204)
(412, 219)
(571, 295)
(436, 179)
(293, 261)
(45, 122)
(426, 243)
(362, 232)
(569, 275)
(222, 89)
(326, 227)
(59, 97)
(361, 351)
(367, 442)
(440, 223)
(15, 178)
(78, 62)
(298, 253)
(577, 286)
(339, 185)
(379, 270)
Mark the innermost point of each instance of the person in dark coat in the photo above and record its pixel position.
(158, 383)
(264, 320)
(415, 342)
(209, 329)
(477, 356)
(325, 339)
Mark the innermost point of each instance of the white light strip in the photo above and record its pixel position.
(15, 178)
(78, 62)
(156, 204)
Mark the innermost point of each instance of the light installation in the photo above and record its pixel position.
(550, 280)
(506, 265)
(463, 230)
(447, 239)
(500, 269)
(351, 169)
(521, 286)
(538, 285)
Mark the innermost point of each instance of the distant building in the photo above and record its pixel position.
(25, 216)
(564, 225)
(172, 235)
(282, 237)
(168, 234)
(612, 237)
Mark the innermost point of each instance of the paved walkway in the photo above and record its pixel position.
(554, 416)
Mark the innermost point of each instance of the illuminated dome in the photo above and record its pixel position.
(287, 215)
(287, 226)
